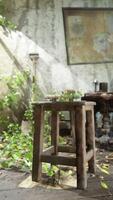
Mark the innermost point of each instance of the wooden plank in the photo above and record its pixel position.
(66, 148)
(80, 120)
(62, 106)
(61, 160)
(89, 155)
(90, 132)
(55, 130)
(48, 151)
(37, 143)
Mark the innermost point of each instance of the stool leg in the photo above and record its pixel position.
(55, 130)
(90, 132)
(72, 121)
(80, 119)
(37, 143)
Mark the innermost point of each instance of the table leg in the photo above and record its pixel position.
(37, 143)
(90, 135)
(80, 119)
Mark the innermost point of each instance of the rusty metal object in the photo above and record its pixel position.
(103, 87)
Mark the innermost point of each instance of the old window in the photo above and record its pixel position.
(89, 35)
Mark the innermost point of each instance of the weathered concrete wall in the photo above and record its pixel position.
(5, 60)
(41, 21)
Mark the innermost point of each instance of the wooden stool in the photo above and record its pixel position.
(83, 127)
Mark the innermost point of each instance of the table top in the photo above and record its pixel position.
(98, 95)
(63, 106)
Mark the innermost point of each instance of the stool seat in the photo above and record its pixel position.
(83, 131)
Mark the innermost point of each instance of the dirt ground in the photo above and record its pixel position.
(18, 185)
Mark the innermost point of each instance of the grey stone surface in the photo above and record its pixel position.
(10, 189)
(18, 186)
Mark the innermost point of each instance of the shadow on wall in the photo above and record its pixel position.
(15, 86)
(50, 73)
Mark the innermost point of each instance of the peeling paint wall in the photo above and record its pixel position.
(41, 22)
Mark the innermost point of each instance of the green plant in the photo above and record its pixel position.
(47, 129)
(53, 173)
(49, 169)
(28, 115)
(70, 95)
(13, 129)
(10, 101)
(104, 168)
(6, 23)
(62, 140)
(14, 83)
(16, 150)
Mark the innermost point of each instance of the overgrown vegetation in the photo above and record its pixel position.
(70, 95)
(13, 103)
(14, 83)
(16, 149)
(15, 146)
(4, 22)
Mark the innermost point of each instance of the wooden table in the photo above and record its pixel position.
(84, 150)
(104, 105)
